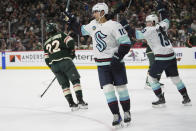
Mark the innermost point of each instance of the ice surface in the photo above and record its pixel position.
(21, 108)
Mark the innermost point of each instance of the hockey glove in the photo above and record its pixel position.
(73, 55)
(116, 61)
(68, 17)
(125, 24)
(47, 62)
(72, 22)
(160, 6)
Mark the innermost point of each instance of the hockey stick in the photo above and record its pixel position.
(47, 87)
(126, 12)
(83, 3)
(66, 13)
(67, 6)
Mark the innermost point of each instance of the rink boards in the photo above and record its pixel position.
(135, 59)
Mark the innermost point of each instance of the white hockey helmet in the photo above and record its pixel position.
(99, 7)
(152, 18)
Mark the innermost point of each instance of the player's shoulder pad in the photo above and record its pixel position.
(146, 29)
(112, 23)
(93, 22)
(164, 24)
(64, 33)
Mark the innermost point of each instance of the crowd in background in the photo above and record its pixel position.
(22, 21)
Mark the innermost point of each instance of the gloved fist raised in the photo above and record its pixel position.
(68, 17)
(160, 5)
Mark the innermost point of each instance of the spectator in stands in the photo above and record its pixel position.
(19, 46)
(3, 45)
(192, 40)
(182, 35)
(26, 15)
(193, 25)
(36, 46)
(189, 29)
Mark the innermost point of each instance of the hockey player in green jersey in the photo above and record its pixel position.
(59, 52)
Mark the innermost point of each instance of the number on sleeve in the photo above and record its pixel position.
(122, 31)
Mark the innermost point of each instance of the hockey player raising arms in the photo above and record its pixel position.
(110, 44)
(59, 52)
(165, 58)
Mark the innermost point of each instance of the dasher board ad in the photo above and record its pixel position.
(136, 58)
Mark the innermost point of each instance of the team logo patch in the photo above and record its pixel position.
(94, 27)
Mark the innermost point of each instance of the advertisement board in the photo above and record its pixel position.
(26, 60)
(185, 57)
(136, 58)
(84, 58)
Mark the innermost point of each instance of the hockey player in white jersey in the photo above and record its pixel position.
(110, 44)
(165, 58)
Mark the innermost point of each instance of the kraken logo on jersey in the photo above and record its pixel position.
(101, 44)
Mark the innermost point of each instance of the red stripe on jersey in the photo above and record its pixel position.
(66, 90)
(164, 55)
(76, 85)
(66, 39)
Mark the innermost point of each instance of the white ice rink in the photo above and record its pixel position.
(22, 110)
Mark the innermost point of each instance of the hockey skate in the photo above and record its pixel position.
(127, 118)
(73, 106)
(160, 102)
(186, 100)
(82, 105)
(117, 121)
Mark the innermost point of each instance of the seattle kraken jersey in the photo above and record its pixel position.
(160, 45)
(58, 47)
(106, 37)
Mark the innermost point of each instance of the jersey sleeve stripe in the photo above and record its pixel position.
(139, 35)
(67, 39)
(125, 45)
(166, 20)
(46, 55)
(84, 32)
(124, 40)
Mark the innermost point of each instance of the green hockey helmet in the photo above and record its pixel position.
(51, 27)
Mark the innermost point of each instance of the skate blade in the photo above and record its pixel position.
(74, 109)
(188, 104)
(127, 124)
(159, 106)
(119, 126)
(83, 107)
(162, 86)
(147, 88)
